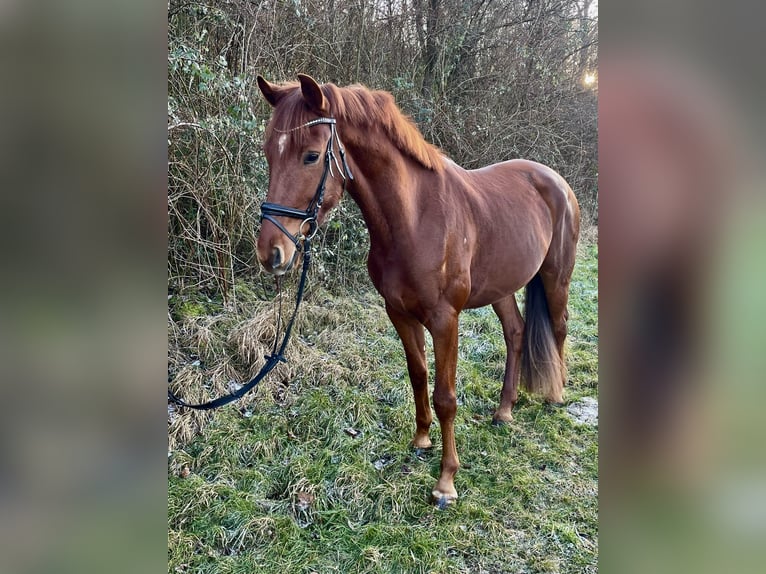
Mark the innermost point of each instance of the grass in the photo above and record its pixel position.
(315, 473)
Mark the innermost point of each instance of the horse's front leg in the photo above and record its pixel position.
(443, 327)
(413, 339)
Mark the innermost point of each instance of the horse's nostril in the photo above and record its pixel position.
(276, 257)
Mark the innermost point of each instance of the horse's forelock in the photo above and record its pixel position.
(289, 114)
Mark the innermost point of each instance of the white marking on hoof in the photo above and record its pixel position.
(442, 499)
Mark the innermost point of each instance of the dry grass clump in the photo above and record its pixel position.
(211, 355)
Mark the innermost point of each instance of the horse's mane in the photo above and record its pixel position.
(363, 108)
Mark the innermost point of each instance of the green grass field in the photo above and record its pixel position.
(314, 472)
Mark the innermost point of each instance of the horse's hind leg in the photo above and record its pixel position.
(413, 339)
(513, 330)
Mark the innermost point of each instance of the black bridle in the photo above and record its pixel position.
(302, 243)
(270, 211)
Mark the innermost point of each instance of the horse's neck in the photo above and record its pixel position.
(389, 201)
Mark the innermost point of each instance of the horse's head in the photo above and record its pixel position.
(307, 171)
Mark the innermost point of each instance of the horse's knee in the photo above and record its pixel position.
(418, 373)
(445, 404)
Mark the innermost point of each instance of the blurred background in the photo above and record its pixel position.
(82, 297)
(682, 336)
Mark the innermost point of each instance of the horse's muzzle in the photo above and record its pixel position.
(276, 262)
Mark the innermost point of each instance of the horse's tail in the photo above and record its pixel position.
(542, 368)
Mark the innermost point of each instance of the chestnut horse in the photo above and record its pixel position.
(442, 239)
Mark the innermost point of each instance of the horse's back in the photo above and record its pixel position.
(520, 174)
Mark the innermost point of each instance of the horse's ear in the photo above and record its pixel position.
(313, 95)
(271, 92)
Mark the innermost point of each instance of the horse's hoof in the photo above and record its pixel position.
(442, 499)
(421, 453)
(501, 419)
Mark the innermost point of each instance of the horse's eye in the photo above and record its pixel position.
(310, 157)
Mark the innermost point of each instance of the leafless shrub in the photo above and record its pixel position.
(485, 81)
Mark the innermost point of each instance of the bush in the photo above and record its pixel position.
(485, 82)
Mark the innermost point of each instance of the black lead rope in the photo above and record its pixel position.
(269, 212)
(277, 356)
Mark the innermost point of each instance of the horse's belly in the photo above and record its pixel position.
(491, 283)
(492, 293)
